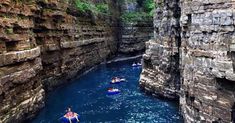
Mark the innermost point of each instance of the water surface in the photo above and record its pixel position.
(87, 96)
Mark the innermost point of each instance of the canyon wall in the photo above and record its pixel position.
(134, 34)
(21, 90)
(160, 75)
(207, 60)
(72, 41)
(198, 54)
(43, 44)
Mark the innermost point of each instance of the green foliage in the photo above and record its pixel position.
(102, 8)
(143, 14)
(149, 6)
(85, 6)
(134, 16)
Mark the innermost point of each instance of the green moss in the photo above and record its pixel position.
(27, 48)
(9, 31)
(5, 16)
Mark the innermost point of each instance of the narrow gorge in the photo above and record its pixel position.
(135, 27)
(191, 58)
(188, 55)
(46, 43)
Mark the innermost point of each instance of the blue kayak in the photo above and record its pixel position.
(73, 119)
(113, 92)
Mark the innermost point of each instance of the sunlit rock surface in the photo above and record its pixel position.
(72, 41)
(21, 91)
(44, 44)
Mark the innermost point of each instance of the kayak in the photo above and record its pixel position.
(73, 119)
(113, 92)
(116, 82)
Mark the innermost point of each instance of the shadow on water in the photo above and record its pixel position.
(87, 96)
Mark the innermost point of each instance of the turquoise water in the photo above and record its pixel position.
(87, 96)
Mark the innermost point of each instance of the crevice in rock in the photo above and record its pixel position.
(11, 46)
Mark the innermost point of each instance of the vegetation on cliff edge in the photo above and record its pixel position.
(95, 8)
(143, 14)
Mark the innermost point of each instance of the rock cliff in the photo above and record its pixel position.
(134, 34)
(43, 44)
(207, 60)
(193, 47)
(72, 41)
(21, 91)
(160, 75)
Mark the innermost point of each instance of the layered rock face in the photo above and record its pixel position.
(44, 44)
(21, 91)
(133, 35)
(72, 41)
(207, 56)
(160, 75)
(203, 53)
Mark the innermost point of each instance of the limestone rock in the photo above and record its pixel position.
(203, 33)
(44, 44)
(161, 59)
(133, 35)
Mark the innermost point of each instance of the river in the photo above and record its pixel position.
(87, 96)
